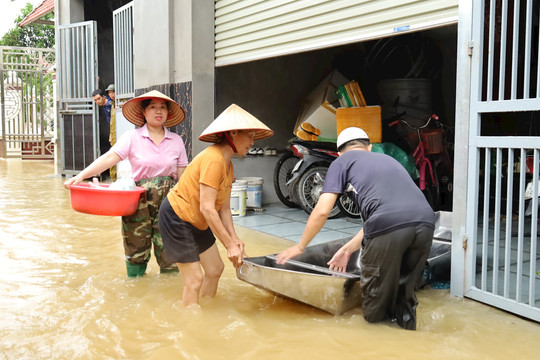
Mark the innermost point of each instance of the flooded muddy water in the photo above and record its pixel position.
(64, 294)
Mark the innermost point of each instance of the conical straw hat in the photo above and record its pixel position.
(235, 118)
(133, 110)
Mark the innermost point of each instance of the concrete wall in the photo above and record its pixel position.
(164, 40)
(152, 54)
(202, 58)
(174, 44)
(181, 41)
(68, 11)
(259, 166)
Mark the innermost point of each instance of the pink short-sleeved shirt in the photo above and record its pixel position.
(149, 160)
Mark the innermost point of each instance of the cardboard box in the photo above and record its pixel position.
(368, 118)
(320, 106)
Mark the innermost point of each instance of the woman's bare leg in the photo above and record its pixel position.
(213, 268)
(193, 280)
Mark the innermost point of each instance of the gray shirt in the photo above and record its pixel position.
(383, 190)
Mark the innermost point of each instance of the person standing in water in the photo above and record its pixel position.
(397, 232)
(197, 210)
(111, 93)
(158, 158)
(105, 106)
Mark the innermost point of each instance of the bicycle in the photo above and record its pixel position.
(429, 153)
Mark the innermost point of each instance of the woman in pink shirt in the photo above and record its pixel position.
(158, 159)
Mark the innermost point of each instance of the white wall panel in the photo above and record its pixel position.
(247, 30)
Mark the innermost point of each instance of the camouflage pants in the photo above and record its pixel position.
(141, 229)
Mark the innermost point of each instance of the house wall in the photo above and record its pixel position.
(152, 55)
(173, 46)
(68, 11)
(163, 41)
(202, 57)
(181, 41)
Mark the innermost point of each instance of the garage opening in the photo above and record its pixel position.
(411, 74)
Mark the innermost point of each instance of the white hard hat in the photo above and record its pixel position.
(351, 133)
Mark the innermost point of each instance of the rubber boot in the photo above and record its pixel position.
(134, 270)
(406, 315)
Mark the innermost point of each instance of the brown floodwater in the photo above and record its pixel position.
(64, 294)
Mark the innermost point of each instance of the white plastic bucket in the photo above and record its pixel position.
(254, 191)
(238, 199)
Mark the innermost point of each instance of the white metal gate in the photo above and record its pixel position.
(502, 258)
(123, 52)
(27, 102)
(77, 78)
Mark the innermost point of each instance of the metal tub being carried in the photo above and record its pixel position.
(307, 278)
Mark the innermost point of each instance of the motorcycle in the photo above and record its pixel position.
(299, 177)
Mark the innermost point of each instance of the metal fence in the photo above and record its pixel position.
(27, 102)
(123, 52)
(77, 78)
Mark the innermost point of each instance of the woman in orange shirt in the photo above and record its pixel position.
(197, 210)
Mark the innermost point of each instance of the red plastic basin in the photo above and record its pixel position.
(96, 201)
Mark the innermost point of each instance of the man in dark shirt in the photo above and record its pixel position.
(397, 232)
(105, 103)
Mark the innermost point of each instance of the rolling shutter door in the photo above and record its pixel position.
(247, 30)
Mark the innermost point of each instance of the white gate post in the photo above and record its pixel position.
(459, 207)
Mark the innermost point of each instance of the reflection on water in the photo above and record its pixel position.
(64, 295)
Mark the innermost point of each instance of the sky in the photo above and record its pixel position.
(9, 10)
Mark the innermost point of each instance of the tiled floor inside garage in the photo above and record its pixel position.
(288, 223)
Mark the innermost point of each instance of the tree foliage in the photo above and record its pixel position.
(33, 35)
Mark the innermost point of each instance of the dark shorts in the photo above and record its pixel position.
(182, 242)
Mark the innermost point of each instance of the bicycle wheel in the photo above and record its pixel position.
(309, 188)
(446, 188)
(348, 207)
(282, 173)
(432, 192)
